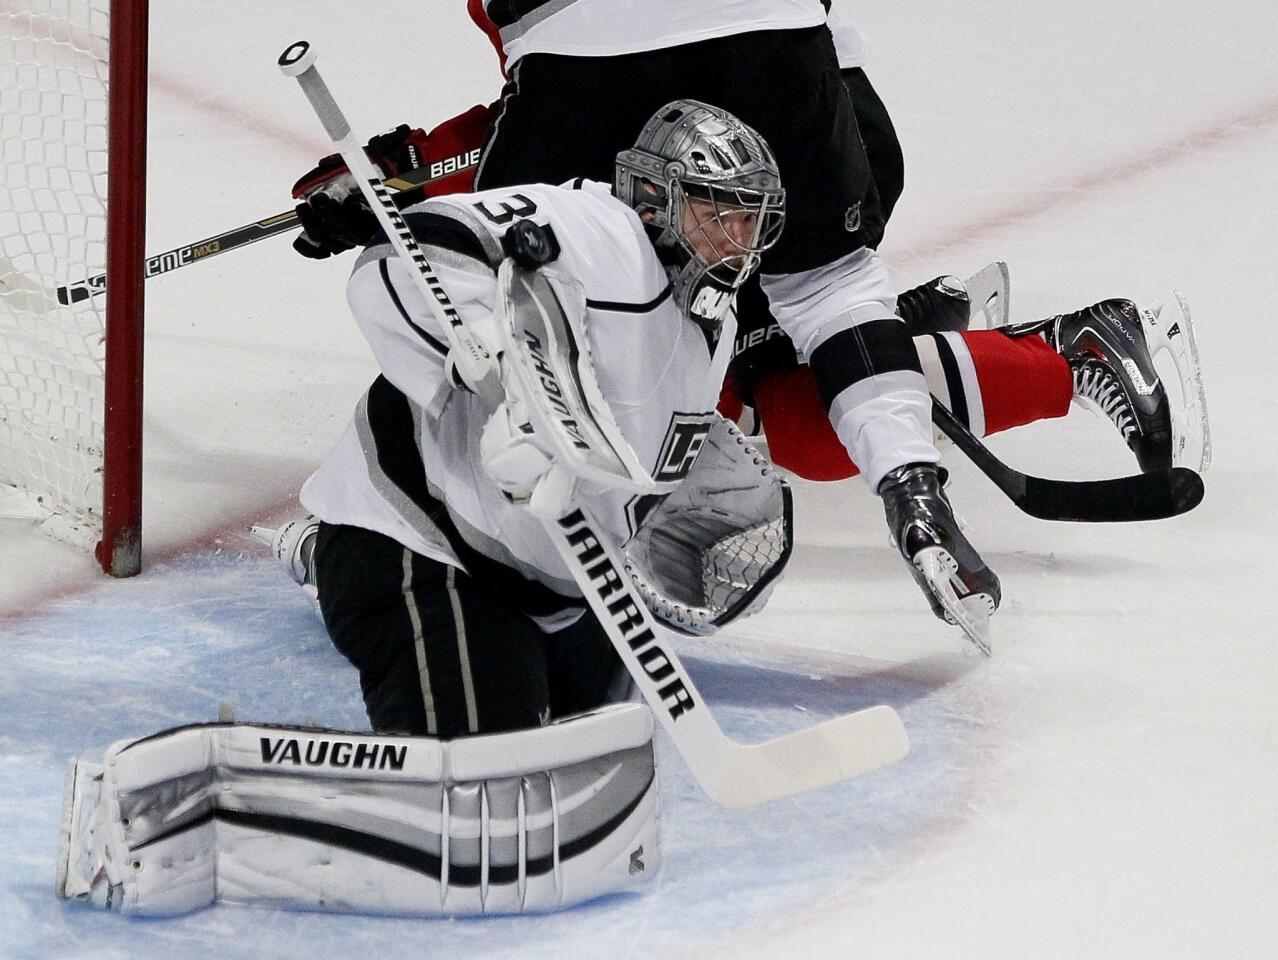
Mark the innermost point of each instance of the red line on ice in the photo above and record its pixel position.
(1152, 159)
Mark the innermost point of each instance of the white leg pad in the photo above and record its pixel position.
(309, 819)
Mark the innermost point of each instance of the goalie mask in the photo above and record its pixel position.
(707, 187)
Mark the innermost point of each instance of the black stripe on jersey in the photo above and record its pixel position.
(861, 352)
(618, 307)
(505, 12)
(953, 380)
(436, 230)
(390, 418)
(399, 305)
(576, 184)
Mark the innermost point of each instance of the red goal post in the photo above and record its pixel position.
(73, 122)
(120, 549)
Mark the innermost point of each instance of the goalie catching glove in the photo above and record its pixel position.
(712, 551)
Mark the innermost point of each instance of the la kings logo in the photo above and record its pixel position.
(685, 437)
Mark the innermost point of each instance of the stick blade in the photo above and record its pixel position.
(831, 752)
(1148, 496)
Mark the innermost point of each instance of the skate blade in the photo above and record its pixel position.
(970, 613)
(1170, 333)
(988, 291)
(81, 781)
(264, 535)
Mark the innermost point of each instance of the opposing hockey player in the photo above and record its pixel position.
(437, 579)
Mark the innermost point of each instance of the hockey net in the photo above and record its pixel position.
(59, 416)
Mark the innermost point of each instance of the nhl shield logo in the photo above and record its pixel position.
(852, 218)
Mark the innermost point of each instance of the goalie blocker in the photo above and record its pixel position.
(310, 819)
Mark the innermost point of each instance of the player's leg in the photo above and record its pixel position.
(438, 654)
(786, 85)
(563, 117)
(993, 381)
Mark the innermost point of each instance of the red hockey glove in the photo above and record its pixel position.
(334, 215)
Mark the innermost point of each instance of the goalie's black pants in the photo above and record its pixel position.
(439, 653)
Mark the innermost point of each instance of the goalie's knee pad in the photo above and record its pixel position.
(311, 819)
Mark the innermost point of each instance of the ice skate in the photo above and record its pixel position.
(988, 294)
(292, 545)
(948, 304)
(960, 587)
(81, 874)
(938, 306)
(1107, 351)
(1169, 333)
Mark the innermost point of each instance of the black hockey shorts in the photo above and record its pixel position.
(440, 655)
(761, 348)
(878, 136)
(563, 117)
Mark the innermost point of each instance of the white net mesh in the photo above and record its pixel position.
(53, 167)
(710, 551)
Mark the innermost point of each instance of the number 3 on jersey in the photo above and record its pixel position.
(516, 205)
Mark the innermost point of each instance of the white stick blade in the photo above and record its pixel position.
(831, 752)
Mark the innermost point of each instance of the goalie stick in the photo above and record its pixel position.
(732, 774)
(1146, 496)
(410, 188)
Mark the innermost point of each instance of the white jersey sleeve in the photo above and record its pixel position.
(407, 341)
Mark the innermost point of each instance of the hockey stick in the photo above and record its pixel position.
(1146, 496)
(410, 188)
(471, 358)
(732, 774)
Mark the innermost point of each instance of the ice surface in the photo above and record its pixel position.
(1105, 787)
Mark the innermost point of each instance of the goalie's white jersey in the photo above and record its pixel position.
(408, 464)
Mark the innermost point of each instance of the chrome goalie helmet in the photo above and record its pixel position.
(707, 187)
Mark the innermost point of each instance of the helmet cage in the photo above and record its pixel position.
(715, 215)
